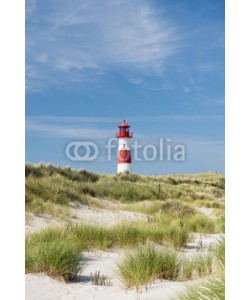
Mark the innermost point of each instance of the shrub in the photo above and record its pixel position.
(171, 180)
(31, 170)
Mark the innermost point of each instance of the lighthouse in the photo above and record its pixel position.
(124, 152)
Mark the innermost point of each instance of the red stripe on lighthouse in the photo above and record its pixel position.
(124, 156)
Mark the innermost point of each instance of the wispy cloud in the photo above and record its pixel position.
(93, 36)
(81, 128)
(135, 80)
(215, 101)
(206, 67)
(66, 131)
(30, 7)
(71, 18)
(162, 118)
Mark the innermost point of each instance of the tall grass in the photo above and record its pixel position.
(42, 170)
(92, 237)
(142, 266)
(179, 236)
(219, 252)
(123, 235)
(58, 258)
(61, 185)
(193, 267)
(200, 223)
(214, 286)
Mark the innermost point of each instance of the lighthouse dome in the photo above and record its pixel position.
(124, 124)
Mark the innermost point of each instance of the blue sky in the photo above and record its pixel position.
(157, 64)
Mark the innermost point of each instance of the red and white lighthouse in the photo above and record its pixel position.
(124, 152)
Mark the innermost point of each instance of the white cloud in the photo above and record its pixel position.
(43, 58)
(30, 7)
(135, 80)
(52, 130)
(216, 101)
(145, 119)
(206, 67)
(93, 36)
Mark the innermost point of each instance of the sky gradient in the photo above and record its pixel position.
(157, 64)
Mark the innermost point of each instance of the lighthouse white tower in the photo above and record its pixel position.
(124, 152)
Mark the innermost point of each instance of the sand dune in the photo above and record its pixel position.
(42, 287)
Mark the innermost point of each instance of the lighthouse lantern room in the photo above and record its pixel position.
(124, 152)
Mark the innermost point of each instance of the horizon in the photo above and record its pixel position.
(157, 64)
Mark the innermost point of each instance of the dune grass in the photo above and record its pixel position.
(58, 257)
(145, 264)
(213, 287)
(141, 266)
(61, 185)
(122, 235)
(57, 251)
(200, 223)
(51, 190)
(219, 253)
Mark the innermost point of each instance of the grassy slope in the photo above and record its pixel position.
(47, 184)
(172, 212)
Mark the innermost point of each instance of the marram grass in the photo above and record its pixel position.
(140, 267)
(145, 264)
(57, 258)
(213, 287)
(61, 185)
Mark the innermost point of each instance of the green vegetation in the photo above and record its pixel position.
(91, 237)
(214, 286)
(51, 190)
(50, 184)
(54, 253)
(172, 217)
(143, 265)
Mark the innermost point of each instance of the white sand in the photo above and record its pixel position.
(207, 211)
(42, 287)
(105, 217)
